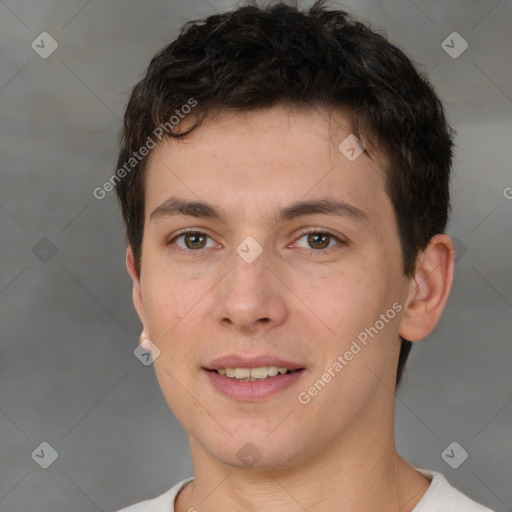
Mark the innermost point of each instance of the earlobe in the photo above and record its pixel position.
(144, 340)
(136, 289)
(429, 290)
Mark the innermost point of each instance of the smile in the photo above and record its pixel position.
(252, 374)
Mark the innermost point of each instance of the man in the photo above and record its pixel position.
(284, 182)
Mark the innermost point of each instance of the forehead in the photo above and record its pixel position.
(259, 160)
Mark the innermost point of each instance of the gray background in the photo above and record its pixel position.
(68, 375)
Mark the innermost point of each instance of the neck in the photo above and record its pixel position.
(347, 476)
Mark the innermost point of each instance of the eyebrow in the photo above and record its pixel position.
(328, 206)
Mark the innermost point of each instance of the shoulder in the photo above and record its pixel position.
(441, 496)
(162, 503)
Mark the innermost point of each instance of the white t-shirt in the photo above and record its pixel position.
(440, 497)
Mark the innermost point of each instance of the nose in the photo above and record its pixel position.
(251, 297)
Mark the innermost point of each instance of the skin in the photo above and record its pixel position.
(297, 301)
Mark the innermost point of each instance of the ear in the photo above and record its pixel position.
(136, 290)
(429, 289)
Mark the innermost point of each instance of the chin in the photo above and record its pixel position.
(256, 450)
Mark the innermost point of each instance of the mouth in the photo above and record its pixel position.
(252, 379)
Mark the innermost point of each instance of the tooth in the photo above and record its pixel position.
(242, 373)
(259, 373)
(272, 371)
(252, 374)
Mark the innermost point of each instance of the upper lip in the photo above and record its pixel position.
(239, 361)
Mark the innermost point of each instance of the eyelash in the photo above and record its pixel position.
(310, 252)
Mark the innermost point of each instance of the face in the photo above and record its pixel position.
(265, 246)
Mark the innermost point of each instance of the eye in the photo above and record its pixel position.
(318, 240)
(192, 240)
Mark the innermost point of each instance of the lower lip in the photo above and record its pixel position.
(252, 391)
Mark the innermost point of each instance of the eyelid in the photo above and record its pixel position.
(326, 231)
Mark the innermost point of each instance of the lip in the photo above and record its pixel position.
(252, 391)
(238, 361)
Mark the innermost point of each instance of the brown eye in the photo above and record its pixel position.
(192, 242)
(195, 240)
(319, 240)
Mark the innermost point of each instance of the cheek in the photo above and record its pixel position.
(350, 304)
(349, 298)
(174, 307)
(166, 298)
